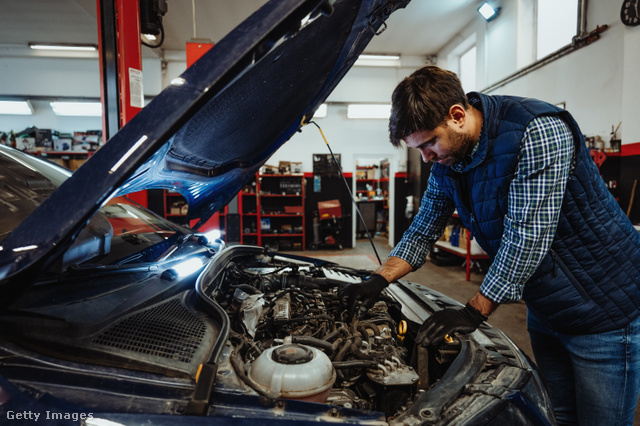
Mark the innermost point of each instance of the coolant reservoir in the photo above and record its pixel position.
(294, 371)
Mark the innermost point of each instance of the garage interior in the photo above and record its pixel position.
(589, 66)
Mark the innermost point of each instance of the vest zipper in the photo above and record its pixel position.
(465, 194)
(560, 263)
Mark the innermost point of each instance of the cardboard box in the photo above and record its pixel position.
(26, 143)
(74, 164)
(284, 167)
(60, 161)
(293, 209)
(62, 144)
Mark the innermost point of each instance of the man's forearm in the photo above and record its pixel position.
(394, 268)
(484, 305)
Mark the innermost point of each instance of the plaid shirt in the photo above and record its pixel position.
(534, 201)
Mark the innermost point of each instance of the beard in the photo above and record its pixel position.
(460, 146)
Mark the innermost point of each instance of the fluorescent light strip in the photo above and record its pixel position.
(16, 108)
(379, 111)
(77, 109)
(378, 60)
(382, 57)
(76, 47)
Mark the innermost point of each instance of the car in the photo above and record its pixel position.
(110, 314)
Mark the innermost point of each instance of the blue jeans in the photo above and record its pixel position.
(593, 379)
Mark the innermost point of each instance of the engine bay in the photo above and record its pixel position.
(254, 327)
(291, 337)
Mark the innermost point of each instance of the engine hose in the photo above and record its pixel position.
(335, 346)
(356, 349)
(332, 335)
(249, 289)
(344, 350)
(363, 363)
(312, 341)
(371, 326)
(363, 332)
(303, 319)
(236, 363)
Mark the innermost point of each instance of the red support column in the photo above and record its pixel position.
(120, 67)
(129, 59)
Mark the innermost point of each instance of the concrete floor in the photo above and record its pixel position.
(449, 280)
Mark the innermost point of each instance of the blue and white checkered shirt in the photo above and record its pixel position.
(535, 198)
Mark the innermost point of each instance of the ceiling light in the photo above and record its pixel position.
(488, 12)
(16, 108)
(321, 112)
(64, 46)
(378, 61)
(77, 109)
(381, 111)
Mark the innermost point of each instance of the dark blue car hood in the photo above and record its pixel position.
(209, 132)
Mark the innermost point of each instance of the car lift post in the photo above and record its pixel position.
(120, 53)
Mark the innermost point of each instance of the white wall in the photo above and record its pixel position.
(77, 77)
(598, 83)
(51, 78)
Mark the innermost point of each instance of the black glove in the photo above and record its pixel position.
(359, 297)
(446, 322)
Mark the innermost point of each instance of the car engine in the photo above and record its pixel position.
(293, 338)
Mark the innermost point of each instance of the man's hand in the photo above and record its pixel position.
(448, 321)
(359, 297)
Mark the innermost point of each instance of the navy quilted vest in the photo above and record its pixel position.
(589, 281)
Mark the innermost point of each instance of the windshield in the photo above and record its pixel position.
(26, 181)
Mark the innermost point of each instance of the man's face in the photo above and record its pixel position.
(446, 144)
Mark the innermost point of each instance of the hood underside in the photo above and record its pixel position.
(209, 132)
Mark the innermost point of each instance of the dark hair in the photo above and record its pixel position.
(422, 101)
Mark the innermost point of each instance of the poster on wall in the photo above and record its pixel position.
(324, 165)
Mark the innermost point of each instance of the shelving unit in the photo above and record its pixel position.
(69, 159)
(608, 164)
(280, 210)
(365, 176)
(372, 190)
(270, 213)
(468, 252)
(175, 207)
(249, 206)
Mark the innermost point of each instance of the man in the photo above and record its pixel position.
(523, 182)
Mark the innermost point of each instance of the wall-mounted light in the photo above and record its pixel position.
(366, 60)
(379, 111)
(16, 108)
(77, 109)
(64, 46)
(488, 12)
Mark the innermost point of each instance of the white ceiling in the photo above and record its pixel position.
(423, 28)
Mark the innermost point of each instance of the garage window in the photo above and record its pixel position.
(557, 24)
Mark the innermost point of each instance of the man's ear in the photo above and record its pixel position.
(457, 114)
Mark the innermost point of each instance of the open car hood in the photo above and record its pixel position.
(209, 132)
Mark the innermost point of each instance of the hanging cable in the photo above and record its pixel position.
(346, 184)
